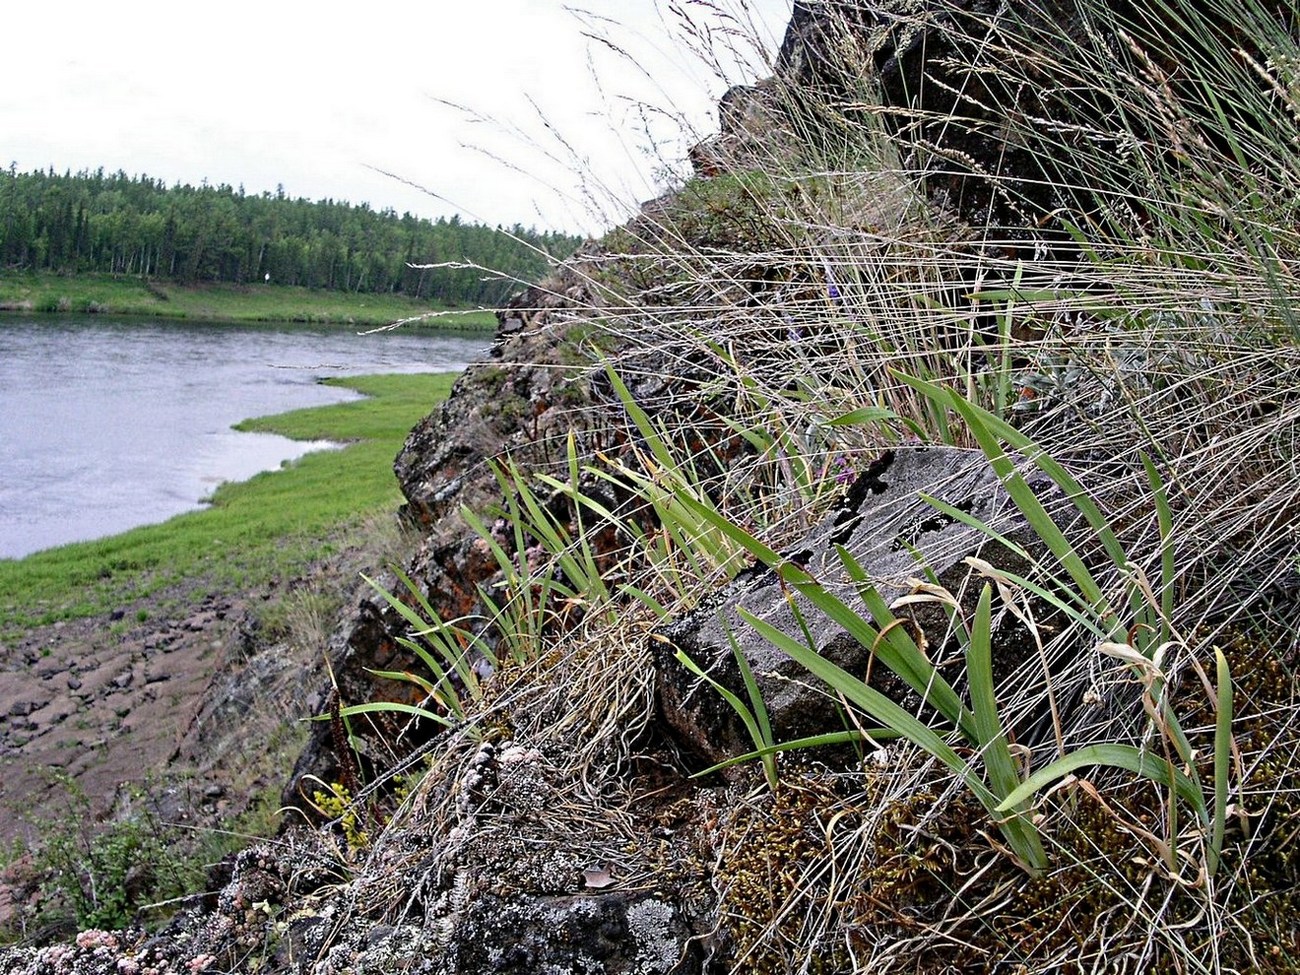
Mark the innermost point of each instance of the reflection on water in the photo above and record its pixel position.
(109, 424)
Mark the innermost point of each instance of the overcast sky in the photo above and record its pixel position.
(551, 130)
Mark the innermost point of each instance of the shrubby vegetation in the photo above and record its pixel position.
(119, 224)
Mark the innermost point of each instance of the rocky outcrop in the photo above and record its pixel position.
(305, 905)
(999, 109)
(519, 403)
(541, 384)
(488, 903)
(560, 832)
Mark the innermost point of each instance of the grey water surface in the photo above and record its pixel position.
(108, 424)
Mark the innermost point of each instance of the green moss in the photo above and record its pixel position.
(742, 211)
(770, 878)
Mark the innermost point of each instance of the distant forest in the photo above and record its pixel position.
(121, 224)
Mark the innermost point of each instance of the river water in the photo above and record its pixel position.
(107, 424)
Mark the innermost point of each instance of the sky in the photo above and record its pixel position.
(548, 113)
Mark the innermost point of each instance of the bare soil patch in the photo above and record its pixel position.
(187, 705)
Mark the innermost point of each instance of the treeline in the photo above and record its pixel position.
(121, 224)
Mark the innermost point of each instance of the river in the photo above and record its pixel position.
(108, 424)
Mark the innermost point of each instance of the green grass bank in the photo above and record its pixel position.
(119, 295)
(253, 530)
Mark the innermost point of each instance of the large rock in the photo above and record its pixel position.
(895, 534)
(1004, 109)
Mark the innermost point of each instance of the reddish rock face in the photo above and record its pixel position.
(520, 403)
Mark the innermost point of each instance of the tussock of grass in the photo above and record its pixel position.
(787, 303)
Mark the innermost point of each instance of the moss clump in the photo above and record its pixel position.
(923, 858)
(832, 871)
(771, 876)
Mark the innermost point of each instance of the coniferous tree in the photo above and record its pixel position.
(117, 224)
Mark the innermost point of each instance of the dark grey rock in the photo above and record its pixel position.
(615, 933)
(971, 98)
(199, 621)
(894, 533)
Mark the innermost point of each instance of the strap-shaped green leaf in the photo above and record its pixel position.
(746, 716)
(1003, 772)
(1222, 758)
(382, 706)
(1115, 755)
(875, 704)
(988, 430)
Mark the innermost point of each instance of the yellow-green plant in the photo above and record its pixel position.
(548, 570)
(335, 802)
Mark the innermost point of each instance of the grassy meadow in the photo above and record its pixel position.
(253, 530)
(116, 295)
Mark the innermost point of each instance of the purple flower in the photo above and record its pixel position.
(832, 288)
(845, 473)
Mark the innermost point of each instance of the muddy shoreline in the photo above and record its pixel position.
(187, 706)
